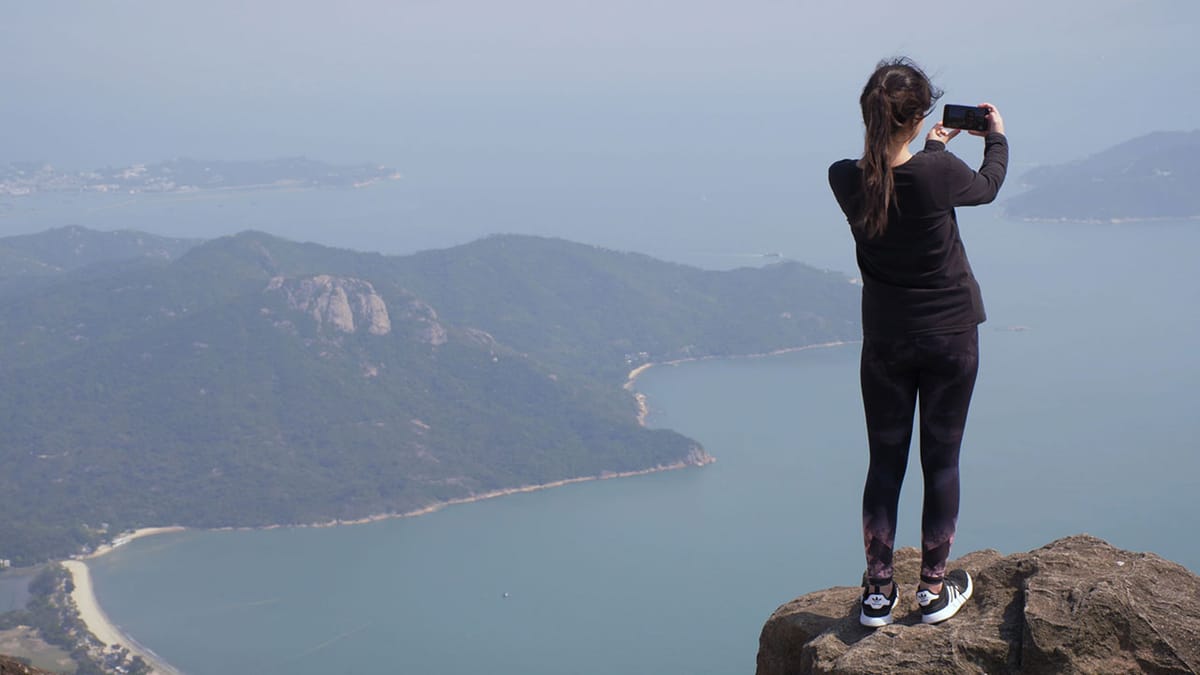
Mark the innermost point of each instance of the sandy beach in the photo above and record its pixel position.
(98, 623)
(126, 538)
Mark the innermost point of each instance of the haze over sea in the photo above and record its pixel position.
(695, 134)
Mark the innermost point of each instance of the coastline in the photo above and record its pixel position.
(98, 623)
(693, 460)
(643, 408)
(700, 459)
(120, 541)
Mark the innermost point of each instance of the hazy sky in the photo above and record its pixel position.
(97, 82)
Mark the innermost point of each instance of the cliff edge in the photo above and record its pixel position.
(1076, 605)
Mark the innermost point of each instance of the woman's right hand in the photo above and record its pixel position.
(995, 121)
(941, 134)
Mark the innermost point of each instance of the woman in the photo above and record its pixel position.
(920, 310)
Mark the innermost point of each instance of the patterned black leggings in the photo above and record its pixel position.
(939, 370)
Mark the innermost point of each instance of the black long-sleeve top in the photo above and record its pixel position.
(916, 277)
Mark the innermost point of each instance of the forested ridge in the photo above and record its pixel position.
(250, 380)
(1152, 177)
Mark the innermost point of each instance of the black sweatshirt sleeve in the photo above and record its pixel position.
(968, 187)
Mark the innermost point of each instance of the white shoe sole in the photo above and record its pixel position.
(952, 608)
(876, 621)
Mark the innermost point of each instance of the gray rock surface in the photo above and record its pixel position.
(1076, 605)
(344, 304)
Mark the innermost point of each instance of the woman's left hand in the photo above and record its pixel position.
(941, 134)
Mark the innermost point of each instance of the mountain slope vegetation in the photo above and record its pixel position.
(1148, 178)
(251, 380)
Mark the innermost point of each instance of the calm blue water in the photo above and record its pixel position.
(1083, 421)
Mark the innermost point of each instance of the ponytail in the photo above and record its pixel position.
(897, 95)
(878, 183)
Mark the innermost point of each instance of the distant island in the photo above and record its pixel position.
(250, 381)
(1153, 177)
(19, 179)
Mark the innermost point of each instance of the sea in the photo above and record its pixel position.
(1083, 421)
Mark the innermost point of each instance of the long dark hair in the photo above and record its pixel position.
(897, 96)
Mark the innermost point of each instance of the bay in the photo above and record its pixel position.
(1083, 422)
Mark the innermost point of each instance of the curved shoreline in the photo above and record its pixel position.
(120, 541)
(438, 506)
(644, 410)
(98, 623)
(101, 626)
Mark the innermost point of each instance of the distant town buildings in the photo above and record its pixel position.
(19, 179)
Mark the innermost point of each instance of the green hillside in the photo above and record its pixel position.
(253, 380)
(603, 311)
(31, 258)
(1147, 178)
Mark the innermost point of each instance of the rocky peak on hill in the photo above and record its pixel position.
(1076, 605)
(340, 303)
(255, 381)
(421, 314)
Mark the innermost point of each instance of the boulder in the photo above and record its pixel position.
(1076, 605)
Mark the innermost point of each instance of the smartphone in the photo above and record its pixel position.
(969, 117)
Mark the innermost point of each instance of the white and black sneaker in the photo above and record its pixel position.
(937, 607)
(877, 608)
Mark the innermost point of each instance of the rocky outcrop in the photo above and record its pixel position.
(342, 304)
(1077, 605)
(11, 667)
(421, 314)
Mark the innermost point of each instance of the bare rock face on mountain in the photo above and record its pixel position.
(420, 313)
(338, 303)
(11, 667)
(1076, 605)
